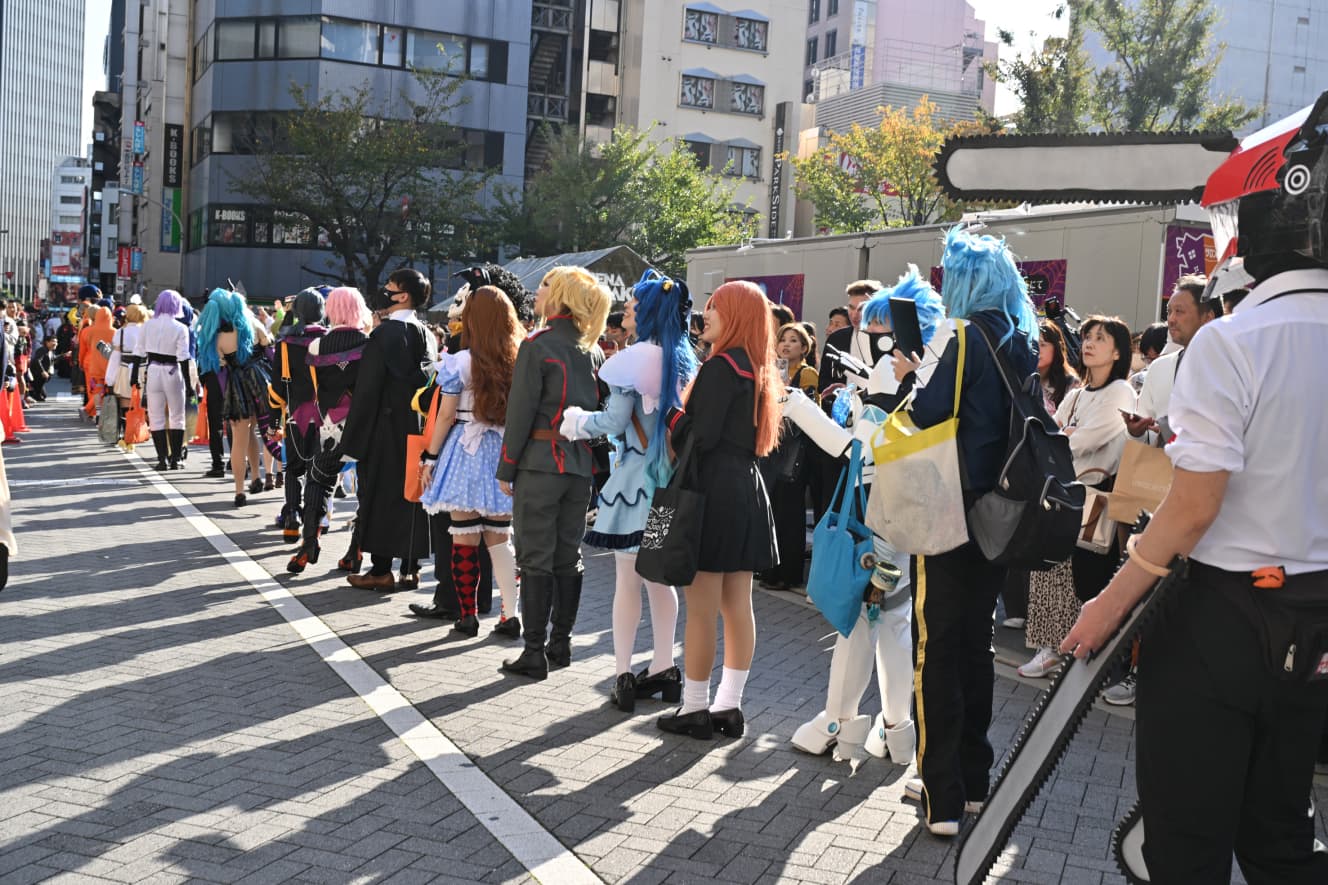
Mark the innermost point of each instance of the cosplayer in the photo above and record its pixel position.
(460, 460)
(94, 353)
(291, 388)
(548, 476)
(390, 374)
(645, 381)
(164, 346)
(333, 363)
(230, 344)
(883, 628)
(124, 370)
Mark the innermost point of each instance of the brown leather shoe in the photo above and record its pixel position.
(408, 582)
(372, 582)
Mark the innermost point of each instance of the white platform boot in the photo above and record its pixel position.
(853, 734)
(850, 671)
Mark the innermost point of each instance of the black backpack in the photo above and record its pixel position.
(1032, 518)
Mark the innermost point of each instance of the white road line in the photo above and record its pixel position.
(534, 847)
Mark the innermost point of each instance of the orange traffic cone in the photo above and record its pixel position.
(201, 429)
(5, 420)
(16, 413)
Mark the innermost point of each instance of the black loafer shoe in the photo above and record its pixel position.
(469, 626)
(728, 722)
(666, 683)
(531, 663)
(509, 627)
(697, 724)
(623, 695)
(436, 612)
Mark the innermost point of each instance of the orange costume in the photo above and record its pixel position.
(90, 359)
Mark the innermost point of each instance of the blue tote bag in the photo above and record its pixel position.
(843, 551)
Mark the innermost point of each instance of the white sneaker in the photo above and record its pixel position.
(1044, 662)
(913, 789)
(1014, 623)
(1122, 693)
(945, 828)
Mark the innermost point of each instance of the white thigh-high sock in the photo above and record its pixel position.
(503, 558)
(663, 623)
(626, 610)
(695, 695)
(729, 694)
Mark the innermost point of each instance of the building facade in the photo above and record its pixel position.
(717, 78)
(104, 212)
(246, 55)
(65, 256)
(41, 98)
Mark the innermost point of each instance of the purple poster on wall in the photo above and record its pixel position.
(785, 289)
(1189, 250)
(1046, 279)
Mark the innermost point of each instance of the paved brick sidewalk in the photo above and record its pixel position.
(636, 805)
(159, 722)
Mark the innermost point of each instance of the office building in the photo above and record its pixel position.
(41, 98)
(241, 72)
(104, 205)
(65, 253)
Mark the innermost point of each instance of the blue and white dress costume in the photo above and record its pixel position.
(465, 477)
(633, 376)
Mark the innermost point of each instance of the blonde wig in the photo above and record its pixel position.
(576, 291)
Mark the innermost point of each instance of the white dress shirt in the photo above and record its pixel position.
(1155, 396)
(1249, 400)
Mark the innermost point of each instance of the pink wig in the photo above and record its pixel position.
(346, 307)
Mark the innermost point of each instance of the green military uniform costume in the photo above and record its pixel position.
(551, 487)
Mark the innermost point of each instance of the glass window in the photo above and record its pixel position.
(68, 220)
(698, 92)
(479, 60)
(350, 41)
(811, 52)
(262, 231)
(831, 8)
(701, 26)
(289, 229)
(235, 39)
(394, 40)
(433, 51)
(74, 200)
(267, 38)
(229, 226)
(700, 150)
(831, 43)
(203, 54)
(743, 161)
(747, 99)
(223, 133)
(750, 34)
(814, 12)
(202, 142)
(298, 37)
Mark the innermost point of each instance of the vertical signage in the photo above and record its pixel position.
(136, 180)
(126, 162)
(777, 170)
(136, 260)
(123, 262)
(862, 15)
(174, 138)
(170, 211)
(140, 138)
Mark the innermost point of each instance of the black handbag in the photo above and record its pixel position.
(671, 543)
(790, 459)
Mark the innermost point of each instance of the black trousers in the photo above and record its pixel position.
(216, 425)
(788, 505)
(954, 600)
(548, 521)
(1225, 749)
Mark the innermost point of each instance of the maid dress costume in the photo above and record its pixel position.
(465, 477)
(628, 419)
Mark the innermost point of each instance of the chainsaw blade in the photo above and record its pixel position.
(1127, 845)
(1044, 738)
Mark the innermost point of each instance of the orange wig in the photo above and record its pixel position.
(749, 325)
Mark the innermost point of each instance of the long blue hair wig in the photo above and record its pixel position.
(223, 307)
(931, 313)
(980, 274)
(663, 309)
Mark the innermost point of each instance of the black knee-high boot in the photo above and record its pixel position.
(176, 439)
(160, 443)
(566, 601)
(536, 600)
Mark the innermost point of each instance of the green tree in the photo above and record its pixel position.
(1054, 85)
(1162, 75)
(372, 174)
(651, 196)
(870, 178)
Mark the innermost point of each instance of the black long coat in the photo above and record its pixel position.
(380, 419)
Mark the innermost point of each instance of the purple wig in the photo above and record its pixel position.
(169, 304)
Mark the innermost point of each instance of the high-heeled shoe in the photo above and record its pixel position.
(352, 561)
(469, 626)
(728, 722)
(255, 487)
(696, 724)
(240, 500)
(623, 695)
(303, 557)
(666, 683)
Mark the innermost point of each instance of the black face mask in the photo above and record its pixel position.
(381, 300)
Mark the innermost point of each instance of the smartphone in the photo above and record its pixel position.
(907, 331)
(1129, 416)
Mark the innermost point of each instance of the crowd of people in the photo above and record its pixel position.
(530, 424)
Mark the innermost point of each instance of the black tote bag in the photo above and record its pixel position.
(671, 542)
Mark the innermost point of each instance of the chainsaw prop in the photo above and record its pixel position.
(1271, 188)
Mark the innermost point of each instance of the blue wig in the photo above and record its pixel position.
(911, 286)
(223, 308)
(663, 309)
(980, 274)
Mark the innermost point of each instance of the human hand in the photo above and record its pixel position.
(426, 473)
(505, 487)
(1138, 425)
(1098, 619)
(831, 391)
(905, 365)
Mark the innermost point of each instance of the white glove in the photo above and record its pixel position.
(816, 424)
(574, 420)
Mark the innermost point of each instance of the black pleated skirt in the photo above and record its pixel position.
(738, 528)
